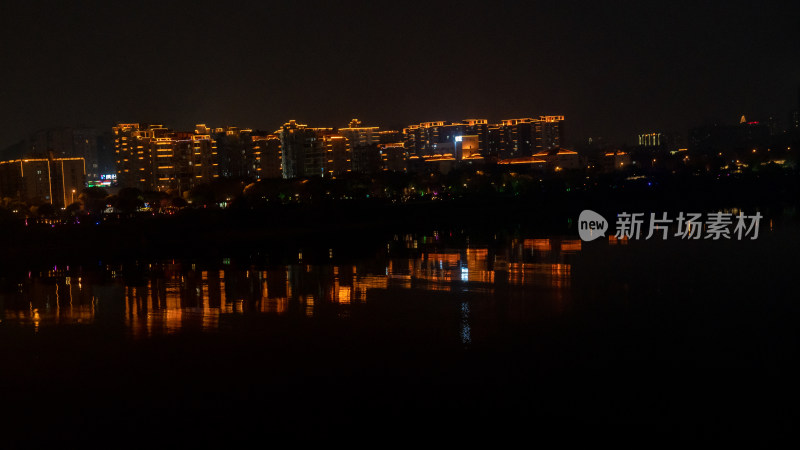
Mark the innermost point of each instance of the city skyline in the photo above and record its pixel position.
(256, 221)
(159, 157)
(616, 71)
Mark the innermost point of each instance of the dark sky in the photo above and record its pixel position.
(612, 68)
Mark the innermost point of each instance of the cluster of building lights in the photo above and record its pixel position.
(153, 157)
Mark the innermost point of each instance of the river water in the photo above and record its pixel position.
(687, 338)
(147, 298)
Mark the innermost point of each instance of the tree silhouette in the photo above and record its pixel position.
(129, 200)
(93, 199)
(73, 209)
(45, 210)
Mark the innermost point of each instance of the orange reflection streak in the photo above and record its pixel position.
(343, 295)
(439, 268)
(448, 259)
(170, 303)
(478, 266)
(364, 283)
(223, 301)
(539, 245)
(555, 275)
(570, 245)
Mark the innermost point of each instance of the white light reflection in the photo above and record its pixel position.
(466, 337)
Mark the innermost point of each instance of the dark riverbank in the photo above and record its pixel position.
(317, 226)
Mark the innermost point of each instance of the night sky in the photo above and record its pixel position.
(614, 69)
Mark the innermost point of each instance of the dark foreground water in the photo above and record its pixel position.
(445, 333)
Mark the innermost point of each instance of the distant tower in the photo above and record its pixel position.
(794, 116)
(549, 132)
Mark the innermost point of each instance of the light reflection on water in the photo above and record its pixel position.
(149, 299)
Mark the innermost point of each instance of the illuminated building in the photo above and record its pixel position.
(549, 131)
(559, 158)
(660, 141)
(530, 161)
(359, 136)
(302, 149)
(390, 136)
(238, 155)
(157, 158)
(518, 136)
(511, 138)
(364, 144)
(267, 156)
(394, 157)
(337, 156)
(467, 147)
(616, 160)
(651, 140)
(166, 162)
(324, 152)
(205, 156)
(480, 129)
(314, 159)
(153, 157)
(58, 181)
(496, 145)
(192, 163)
(430, 138)
(135, 151)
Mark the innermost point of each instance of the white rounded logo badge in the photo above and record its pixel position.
(591, 225)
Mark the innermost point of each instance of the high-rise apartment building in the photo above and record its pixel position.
(394, 157)
(267, 156)
(549, 132)
(238, 155)
(155, 158)
(431, 138)
(359, 136)
(302, 150)
(337, 156)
